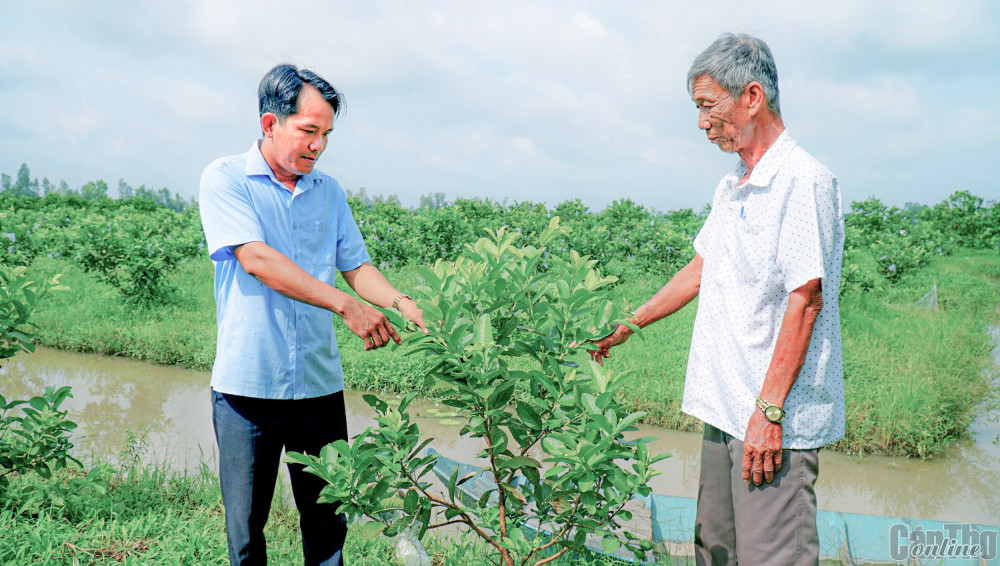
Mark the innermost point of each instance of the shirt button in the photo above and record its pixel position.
(294, 226)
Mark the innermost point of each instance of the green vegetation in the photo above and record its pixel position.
(34, 433)
(24, 185)
(19, 296)
(501, 310)
(155, 516)
(920, 285)
(899, 357)
(914, 374)
(34, 438)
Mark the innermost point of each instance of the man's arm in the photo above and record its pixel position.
(369, 283)
(278, 272)
(762, 443)
(682, 288)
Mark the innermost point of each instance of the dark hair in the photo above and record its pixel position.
(736, 60)
(279, 90)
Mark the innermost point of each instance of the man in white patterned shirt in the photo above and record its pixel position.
(765, 371)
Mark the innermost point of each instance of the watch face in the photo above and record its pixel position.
(773, 413)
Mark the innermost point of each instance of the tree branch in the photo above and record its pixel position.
(553, 557)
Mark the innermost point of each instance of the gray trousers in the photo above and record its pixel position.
(740, 523)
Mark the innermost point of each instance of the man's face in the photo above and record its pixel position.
(724, 118)
(301, 138)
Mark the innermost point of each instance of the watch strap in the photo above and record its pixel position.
(399, 297)
(765, 405)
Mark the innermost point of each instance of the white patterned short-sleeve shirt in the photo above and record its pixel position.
(762, 240)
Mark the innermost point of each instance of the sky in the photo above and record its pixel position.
(515, 100)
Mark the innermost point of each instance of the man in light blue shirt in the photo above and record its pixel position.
(278, 232)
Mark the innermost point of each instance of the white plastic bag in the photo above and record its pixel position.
(409, 549)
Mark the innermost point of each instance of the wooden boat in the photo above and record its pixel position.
(845, 538)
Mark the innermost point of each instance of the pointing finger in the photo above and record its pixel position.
(394, 334)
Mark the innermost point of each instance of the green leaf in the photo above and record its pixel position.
(411, 502)
(554, 471)
(469, 475)
(502, 395)
(518, 462)
(483, 333)
(369, 530)
(394, 318)
(452, 483)
(514, 492)
(529, 416)
(374, 402)
(610, 544)
(552, 445)
(485, 497)
(20, 336)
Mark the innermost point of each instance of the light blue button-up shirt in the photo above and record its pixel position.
(270, 346)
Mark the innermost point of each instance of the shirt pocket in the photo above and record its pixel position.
(321, 239)
(755, 247)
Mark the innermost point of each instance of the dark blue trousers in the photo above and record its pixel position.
(251, 434)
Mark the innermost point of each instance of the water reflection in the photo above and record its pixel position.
(112, 396)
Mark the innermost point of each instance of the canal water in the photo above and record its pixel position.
(168, 408)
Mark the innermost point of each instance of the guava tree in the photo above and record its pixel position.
(19, 295)
(506, 348)
(36, 436)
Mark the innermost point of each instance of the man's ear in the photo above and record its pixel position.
(755, 99)
(267, 122)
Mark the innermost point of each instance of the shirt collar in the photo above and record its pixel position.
(765, 170)
(257, 165)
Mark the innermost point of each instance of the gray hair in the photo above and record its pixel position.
(736, 60)
(278, 92)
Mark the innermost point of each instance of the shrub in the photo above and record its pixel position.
(557, 456)
(134, 252)
(19, 295)
(34, 441)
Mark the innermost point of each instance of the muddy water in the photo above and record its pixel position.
(169, 408)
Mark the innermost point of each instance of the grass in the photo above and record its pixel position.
(913, 376)
(147, 517)
(151, 516)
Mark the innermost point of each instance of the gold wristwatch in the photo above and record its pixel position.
(772, 412)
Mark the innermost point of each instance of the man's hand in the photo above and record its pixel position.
(369, 324)
(408, 308)
(761, 449)
(604, 345)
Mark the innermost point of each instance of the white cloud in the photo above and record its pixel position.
(878, 101)
(191, 102)
(590, 25)
(477, 142)
(523, 145)
(654, 156)
(524, 99)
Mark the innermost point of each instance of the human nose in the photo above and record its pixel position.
(703, 122)
(317, 143)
